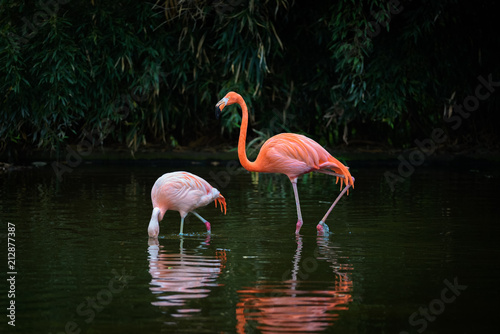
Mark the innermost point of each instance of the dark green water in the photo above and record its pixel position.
(421, 259)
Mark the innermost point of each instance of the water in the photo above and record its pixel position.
(423, 258)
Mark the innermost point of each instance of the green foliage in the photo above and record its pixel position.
(136, 72)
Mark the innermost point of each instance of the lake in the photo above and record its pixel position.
(421, 258)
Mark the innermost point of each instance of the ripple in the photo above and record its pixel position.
(177, 278)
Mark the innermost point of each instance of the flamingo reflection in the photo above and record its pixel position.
(178, 278)
(290, 306)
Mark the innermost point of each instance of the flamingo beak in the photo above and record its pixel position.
(219, 106)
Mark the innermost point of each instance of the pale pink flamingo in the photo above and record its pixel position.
(290, 154)
(182, 192)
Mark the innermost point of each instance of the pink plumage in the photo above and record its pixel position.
(183, 192)
(290, 154)
(294, 155)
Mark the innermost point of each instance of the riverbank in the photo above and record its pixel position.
(360, 155)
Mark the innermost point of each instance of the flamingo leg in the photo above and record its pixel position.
(297, 203)
(207, 224)
(327, 172)
(182, 225)
(322, 227)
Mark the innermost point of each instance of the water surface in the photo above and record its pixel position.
(84, 261)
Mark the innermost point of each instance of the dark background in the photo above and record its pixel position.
(139, 74)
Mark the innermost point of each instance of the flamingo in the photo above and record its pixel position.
(182, 192)
(290, 154)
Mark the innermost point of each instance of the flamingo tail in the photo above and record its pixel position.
(222, 203)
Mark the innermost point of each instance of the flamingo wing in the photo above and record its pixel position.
(183, 192)
(180, 191)
(294, 155)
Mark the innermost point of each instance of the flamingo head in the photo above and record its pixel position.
(154, 226)
(230, 98)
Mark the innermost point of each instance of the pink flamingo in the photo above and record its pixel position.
(290, 154)
(182, 192)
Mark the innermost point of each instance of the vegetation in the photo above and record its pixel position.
(137, 72)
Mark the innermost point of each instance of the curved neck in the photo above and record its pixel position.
(242, 154)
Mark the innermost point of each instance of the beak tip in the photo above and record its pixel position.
(219, 106)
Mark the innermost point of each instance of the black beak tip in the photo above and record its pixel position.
(217, 112)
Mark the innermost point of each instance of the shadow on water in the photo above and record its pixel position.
(294, 304)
